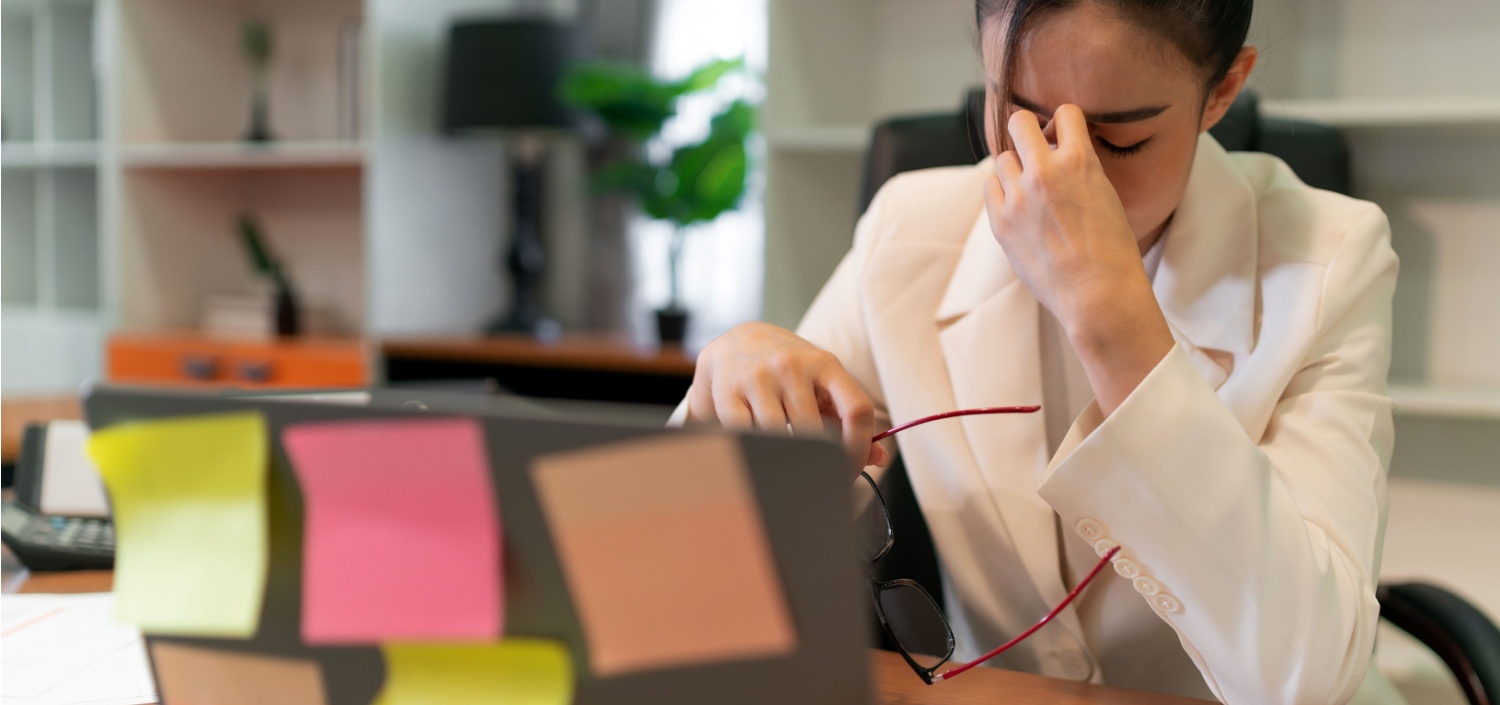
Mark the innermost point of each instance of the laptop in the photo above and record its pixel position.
(800, 488)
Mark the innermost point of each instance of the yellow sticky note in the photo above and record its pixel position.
(189, 503)
(514, 672)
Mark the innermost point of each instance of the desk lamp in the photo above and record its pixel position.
(501, 81)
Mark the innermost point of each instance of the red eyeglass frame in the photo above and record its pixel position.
(927, 674)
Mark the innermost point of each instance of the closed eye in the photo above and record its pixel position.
(1123, 151)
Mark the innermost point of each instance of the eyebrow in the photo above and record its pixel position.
(1111, 118)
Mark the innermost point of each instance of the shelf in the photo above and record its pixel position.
(238, 155)
(1477, 403)
(836, 138)
(1412, 111)
(30, 155)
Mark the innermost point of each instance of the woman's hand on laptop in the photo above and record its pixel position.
(762, 376)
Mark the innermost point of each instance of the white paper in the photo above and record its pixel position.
(70, 481)
(68, 649)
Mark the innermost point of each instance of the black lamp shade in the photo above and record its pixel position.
(502, 74)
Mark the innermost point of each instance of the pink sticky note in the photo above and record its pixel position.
(402, 536)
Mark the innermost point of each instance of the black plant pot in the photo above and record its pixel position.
(671, 325)
(260, 123)
(288, 313)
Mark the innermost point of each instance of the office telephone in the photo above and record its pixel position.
(59, 522)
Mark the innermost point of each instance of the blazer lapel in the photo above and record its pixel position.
(988, 330)
(1206, 285)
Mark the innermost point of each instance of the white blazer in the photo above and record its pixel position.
(1245, 476)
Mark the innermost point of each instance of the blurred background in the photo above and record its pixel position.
(566, 198)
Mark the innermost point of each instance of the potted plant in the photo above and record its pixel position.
(269, 267)
(692, 185)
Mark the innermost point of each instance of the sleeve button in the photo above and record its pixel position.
(1090, 530)
(1104, 546)
(1146, 586)
(1127, 568)
(1166, 603)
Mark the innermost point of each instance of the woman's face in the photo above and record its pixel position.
(1143, 99)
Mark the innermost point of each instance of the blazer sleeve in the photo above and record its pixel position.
(835, 321)
(1262, 553)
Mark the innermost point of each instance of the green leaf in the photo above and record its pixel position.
(700, 181)
(736, 122)
(627, 98)
(260, 255)
(711, 179)
(256, 36)
(707, 75)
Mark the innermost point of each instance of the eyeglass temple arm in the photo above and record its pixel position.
(950, 414)
(945, 675)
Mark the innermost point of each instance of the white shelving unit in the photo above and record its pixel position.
(51, 323)
(1412, 87)
(836, 68)
(238, 155)
(125, 168)
(1388, 112)
(32, 155)
(1469, 403)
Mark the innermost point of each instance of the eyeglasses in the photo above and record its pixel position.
(908, 614)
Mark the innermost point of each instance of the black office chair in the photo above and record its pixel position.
(1462, 636)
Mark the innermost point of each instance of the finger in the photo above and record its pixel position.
(879, 457)
(1008, 169)
(701, 403)
(801, 407)
(1026, 134)
(1072, 128)
(856, 414)
(733, 412)
(765, 408)
(994, 196)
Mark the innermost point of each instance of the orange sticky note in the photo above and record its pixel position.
(192, 675)
(664, 552)
(402, 537)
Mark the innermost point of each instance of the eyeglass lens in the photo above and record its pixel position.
(871, 522)
(916, 623)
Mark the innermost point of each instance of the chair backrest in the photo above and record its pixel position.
(1316, 153)
(922, 142)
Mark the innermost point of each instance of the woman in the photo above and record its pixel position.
(1207, 336)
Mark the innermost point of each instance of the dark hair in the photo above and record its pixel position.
(1210, 33)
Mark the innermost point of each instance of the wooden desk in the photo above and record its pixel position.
(589, 367)
(16, 413)
(895, 684)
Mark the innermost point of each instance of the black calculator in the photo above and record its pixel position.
(44, 542)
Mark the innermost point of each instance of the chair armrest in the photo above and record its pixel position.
(1461, 635)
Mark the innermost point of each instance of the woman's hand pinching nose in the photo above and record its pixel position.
(1054, 212)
